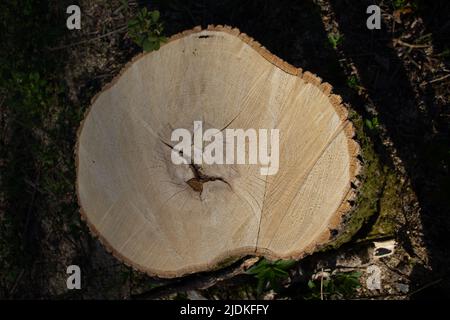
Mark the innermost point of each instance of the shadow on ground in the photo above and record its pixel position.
(294, 31)
(414, 122)
(413, 119)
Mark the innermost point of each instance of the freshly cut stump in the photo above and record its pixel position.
(169, 220)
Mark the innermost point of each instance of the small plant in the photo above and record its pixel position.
(372, 124)
(146, 30)
(337, 286)
(335, 39)
(398, 4)
(353, 82)
(270, 274)
(404, 4)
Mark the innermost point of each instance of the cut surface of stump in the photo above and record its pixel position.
(170, 220)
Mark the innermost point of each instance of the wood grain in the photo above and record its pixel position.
(141, 205)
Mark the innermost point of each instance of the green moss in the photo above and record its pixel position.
(389, 206)
(375, 195)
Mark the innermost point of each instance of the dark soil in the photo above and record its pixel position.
(395, 80)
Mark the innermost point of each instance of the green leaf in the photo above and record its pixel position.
(372, 124)
(261, 286)
(285, 264)
(140, 39)
(270, 273)
(375, 122)
(148, 45)
(132, 23)
(145, 31)
(155, 15)
(153, 39)
(257, 268)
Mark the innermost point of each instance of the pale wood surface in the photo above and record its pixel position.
(139, 204)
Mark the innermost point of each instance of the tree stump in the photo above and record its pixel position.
(169, 220)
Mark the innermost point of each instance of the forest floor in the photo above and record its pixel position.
(395, 81)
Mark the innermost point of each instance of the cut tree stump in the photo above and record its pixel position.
(165, 219)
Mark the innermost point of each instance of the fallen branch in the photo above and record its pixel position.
(409, 45)
(196, 282)
(440, 78)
